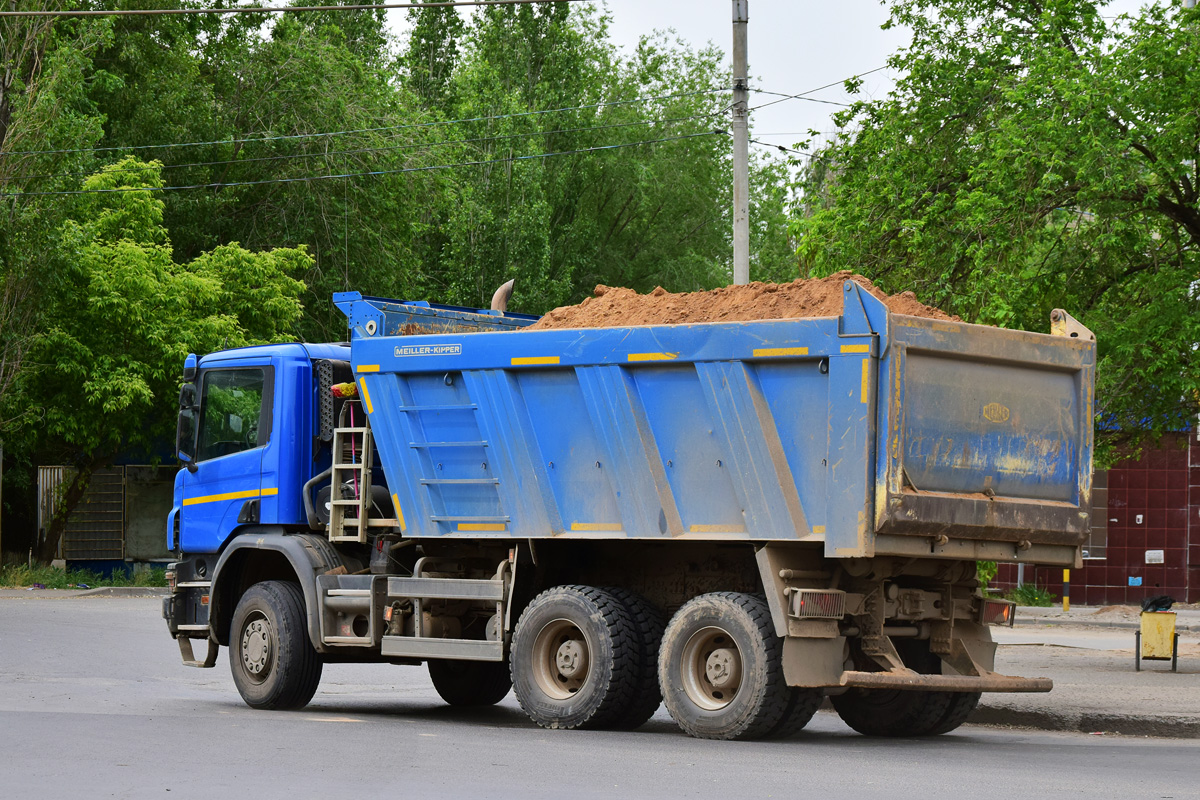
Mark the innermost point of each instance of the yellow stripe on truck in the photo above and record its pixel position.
(525, 361)
(214, 498)
(362, 382)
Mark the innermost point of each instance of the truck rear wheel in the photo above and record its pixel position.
(801, 709)
(721, 668)
(648, 625)
(901, 713)
(274, 664)
(575, 658)
(470, 683)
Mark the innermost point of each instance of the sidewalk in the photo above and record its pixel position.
(1089, 654)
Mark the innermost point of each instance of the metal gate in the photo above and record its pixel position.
(95, 531)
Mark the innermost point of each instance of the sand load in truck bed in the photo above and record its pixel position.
(804, 297)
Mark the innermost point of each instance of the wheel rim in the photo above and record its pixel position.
(712, 668)
(561, 659)
(257, 650)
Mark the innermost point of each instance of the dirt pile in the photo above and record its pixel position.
(805, 297)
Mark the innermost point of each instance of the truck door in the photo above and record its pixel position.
(234, 430)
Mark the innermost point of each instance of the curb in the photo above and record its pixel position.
(1154, 726)
(125, 591)
(1079, 623)
(71, 594)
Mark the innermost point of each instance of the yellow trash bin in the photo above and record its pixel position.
(1157, 639)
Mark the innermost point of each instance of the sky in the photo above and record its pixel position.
(794, 46)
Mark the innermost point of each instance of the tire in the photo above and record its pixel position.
(801, 708)
(649, 625)
(897, 713)
(960, 707)
(273, 663)
(721, 668)
(470, 683)
(575, 658)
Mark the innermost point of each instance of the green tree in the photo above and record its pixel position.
(431, 54)
(1034, 155)
(105, 367)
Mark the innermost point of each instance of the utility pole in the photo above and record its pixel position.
(741, 146)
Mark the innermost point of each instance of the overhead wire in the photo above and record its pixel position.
(371, 173)
(804, 95)
(411, 126)
(160, 12)
(380, 149)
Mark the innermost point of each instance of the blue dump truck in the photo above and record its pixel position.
(736, 519)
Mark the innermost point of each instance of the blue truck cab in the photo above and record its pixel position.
(736, 519)
(256, 442)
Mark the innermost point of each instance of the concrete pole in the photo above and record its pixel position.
(741, 146)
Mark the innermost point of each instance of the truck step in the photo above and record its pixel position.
(464, 649)
(446, 589)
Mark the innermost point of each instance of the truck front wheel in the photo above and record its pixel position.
(273, 663)
(721, 670)
(575, 658)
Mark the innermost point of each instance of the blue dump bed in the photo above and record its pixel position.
(870, 433)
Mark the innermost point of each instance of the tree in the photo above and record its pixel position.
(105, 367)
(46, 128)
(432, 53)
(1034, 155)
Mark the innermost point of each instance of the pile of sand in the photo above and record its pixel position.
(804, 297)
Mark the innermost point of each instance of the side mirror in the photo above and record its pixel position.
(187, 396)
(185, 438)
(189, 367)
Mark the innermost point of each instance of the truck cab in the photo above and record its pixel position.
(255, 440)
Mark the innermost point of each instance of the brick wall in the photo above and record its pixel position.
(1153, 505)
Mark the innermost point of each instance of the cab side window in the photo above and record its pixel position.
(231, 409)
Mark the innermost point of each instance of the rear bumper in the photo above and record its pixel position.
(914, 681)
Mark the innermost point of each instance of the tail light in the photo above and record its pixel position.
(171, 579)
(998, 612)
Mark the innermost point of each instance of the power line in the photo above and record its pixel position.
(362, 150)
(796, 97)
(293, 136)
(803, 95)
(780, 147)
(159, 12)
(310, 178)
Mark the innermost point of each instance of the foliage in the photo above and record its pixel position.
(17, 576)
(1032, 156)
(1031, 595)
(124, 315)
(299, 155)
(985, 571)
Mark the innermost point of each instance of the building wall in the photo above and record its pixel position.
(1153, 504)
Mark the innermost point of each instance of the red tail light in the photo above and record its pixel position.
(998, 612)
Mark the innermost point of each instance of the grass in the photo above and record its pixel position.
(1030, 595)
(17, 576)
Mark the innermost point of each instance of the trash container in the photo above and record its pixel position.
(1157, 639)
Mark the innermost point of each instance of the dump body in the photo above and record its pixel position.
(871, 433)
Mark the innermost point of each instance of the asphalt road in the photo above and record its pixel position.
(94, 703)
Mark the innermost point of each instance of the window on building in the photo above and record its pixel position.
(1096, 545)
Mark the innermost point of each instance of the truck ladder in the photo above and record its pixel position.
(353, 459)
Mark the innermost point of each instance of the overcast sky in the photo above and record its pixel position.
(793, 45)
